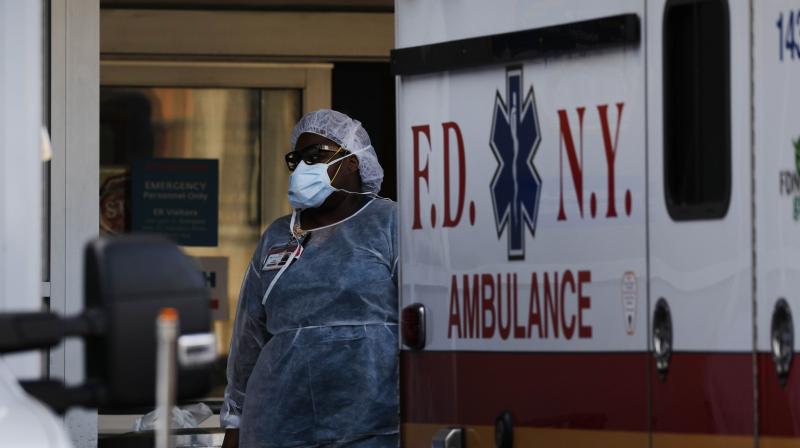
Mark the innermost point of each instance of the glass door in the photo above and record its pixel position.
(195, 152)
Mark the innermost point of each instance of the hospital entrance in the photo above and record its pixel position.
(195, 120)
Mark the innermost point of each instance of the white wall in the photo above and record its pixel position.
(20, 166)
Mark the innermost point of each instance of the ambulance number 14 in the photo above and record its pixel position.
(787, 37)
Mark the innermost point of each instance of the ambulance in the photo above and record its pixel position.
(599, 222)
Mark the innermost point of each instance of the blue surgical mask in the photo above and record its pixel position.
(310, 185)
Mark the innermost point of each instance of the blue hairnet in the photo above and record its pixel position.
(350, 135)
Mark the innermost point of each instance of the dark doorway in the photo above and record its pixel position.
(365, 91)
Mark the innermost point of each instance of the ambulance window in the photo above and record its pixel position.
(697, 142)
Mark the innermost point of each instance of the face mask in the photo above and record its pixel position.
(310, 185)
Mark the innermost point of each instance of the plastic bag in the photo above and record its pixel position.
(189, 416)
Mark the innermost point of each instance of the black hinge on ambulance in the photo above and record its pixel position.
(782, 339)
(662, 337)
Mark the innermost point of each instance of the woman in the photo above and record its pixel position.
(313, 358)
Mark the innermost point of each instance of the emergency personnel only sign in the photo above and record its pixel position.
(523, 203)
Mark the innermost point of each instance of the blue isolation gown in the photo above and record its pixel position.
(317, 364)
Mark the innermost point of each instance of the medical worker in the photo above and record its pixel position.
(314, 353)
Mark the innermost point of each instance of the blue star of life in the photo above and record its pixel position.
(516, 186)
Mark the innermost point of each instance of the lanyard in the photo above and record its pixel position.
(288, 262)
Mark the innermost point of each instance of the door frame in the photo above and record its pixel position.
(314, 79)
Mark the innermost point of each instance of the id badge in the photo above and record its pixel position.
(278, 256)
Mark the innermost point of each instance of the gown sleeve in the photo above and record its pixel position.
(249, 336)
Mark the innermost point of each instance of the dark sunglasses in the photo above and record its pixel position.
(316, 153)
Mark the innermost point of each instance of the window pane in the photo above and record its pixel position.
(697, 160)
(246, 130)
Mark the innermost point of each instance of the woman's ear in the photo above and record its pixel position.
(352, 164)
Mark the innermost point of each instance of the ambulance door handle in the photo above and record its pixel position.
(782, 339)
(662, 337)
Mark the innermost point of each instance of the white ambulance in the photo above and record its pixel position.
(600, 222)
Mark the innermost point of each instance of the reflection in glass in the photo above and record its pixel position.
(247, 130)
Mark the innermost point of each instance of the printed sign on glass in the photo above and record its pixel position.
(177, 198)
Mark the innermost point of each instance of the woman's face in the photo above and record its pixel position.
(306, 140)
(344, 173)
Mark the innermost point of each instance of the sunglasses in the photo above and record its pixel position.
(316, 153)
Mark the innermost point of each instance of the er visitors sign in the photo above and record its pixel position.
(177, 198)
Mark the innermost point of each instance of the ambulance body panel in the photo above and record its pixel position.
(702, 267)
(776, 65)
(543, 228)
(536, 302)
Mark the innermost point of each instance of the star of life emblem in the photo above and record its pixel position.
(516, 185)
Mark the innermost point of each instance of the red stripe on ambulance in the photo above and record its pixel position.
(601, 391)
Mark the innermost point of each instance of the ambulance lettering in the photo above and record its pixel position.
(790, 181)
(575, 161)
(451, 136)
(488, 306)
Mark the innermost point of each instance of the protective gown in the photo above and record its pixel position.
(317, 364)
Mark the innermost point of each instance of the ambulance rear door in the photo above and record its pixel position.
(522, 194)
(776, 65)
(699, 235)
